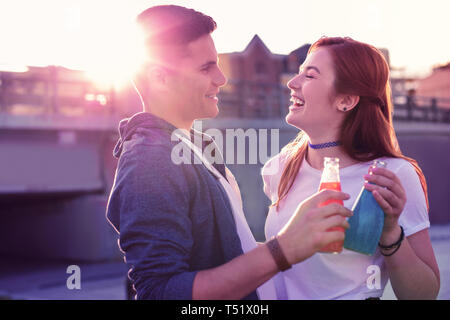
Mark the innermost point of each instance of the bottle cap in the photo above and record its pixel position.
(378, 164)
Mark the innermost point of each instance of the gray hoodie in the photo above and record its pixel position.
(173, 220)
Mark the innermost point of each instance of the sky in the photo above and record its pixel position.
(94, 35)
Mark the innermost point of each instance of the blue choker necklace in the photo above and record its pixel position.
(324, 145)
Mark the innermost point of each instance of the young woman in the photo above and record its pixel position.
(341, 103)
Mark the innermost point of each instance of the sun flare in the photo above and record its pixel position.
(115, 52)
(99, 37)
(117, 57)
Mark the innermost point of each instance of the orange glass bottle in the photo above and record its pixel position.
(330, 180)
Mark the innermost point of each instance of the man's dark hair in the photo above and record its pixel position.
(170, 25)
(167, 30)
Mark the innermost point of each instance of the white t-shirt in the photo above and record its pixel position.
(266, 291)
(348, 275)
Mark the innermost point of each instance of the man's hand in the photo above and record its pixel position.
(306, 231)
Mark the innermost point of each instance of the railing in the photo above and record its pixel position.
(247, 99)
(260, 100)
(49, 93)
(422, 109)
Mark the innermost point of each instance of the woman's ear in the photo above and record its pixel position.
(347, 102)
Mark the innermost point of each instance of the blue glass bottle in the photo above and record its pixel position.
(366, 224)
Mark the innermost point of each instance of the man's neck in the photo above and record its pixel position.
(181, 124)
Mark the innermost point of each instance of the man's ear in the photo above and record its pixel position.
(347, 102)
(157, 75)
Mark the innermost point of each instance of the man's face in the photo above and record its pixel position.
(196, 81)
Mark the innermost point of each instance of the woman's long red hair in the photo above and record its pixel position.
(366, 132)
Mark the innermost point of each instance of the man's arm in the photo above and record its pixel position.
(303, 235)
(156, 234)
(237, 278)
(149, 205)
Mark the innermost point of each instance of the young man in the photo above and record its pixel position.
(179, 224)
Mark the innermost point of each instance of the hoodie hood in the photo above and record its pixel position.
(154, 127)
(129, 126)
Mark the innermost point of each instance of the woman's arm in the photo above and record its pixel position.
(413, 269)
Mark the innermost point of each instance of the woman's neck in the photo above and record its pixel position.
(315, 157)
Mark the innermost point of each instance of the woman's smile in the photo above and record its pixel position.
(297, 103)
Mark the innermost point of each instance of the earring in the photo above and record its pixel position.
(345, 108)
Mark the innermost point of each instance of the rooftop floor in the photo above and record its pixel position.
(23, 279)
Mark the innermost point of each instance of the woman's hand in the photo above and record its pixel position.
(390, 195)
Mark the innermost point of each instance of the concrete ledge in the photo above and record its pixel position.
(401, 127)
(59, 122)
(421, 128)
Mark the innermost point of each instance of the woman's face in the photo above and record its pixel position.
(313, 108)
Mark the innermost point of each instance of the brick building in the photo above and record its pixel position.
(257, 80)
(436, 85)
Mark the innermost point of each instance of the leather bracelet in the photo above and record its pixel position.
(396, 244)
(277, 254)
